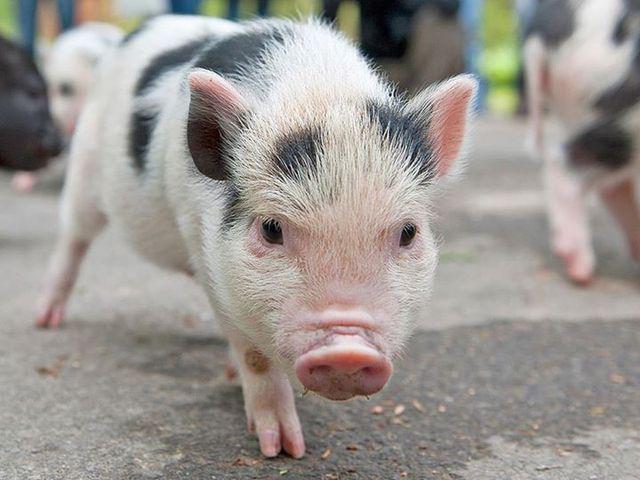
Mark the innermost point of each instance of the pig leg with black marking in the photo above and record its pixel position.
(268, 400)
(567, 210)
(621, 202)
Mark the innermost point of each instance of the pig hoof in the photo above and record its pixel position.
(579, 265)
(277, 426)
(50, 316)
(276, 434)
(580, 279)
(579, 269)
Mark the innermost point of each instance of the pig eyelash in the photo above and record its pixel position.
(408, 234)
(271, 231)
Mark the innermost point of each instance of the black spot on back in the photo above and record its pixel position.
(143, 122)
(622, 95)
(625, 25)
(606, 144)
(297, 152)
(626, 93)
(167, 61)
(230, 55)
(553, 21)
(408, 131)
(136, 31)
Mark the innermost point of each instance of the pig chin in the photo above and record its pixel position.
(339, 361)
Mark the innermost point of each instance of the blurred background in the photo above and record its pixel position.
(415, 41)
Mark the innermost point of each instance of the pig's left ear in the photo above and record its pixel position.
(214, 107)
(446, 108)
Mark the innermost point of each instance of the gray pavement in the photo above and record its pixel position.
(513, 373)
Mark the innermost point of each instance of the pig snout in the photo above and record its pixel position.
(344, 364)
(51, 143)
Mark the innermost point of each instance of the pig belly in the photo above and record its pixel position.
(138, 208)
(154, 235)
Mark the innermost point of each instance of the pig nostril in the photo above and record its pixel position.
(342, 372)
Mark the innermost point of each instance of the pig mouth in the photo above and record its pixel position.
(343, 365)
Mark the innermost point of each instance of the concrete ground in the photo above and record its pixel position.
(513, 373)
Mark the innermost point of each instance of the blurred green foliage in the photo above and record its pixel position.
(500, 62)
(499, 23)
(7, 18)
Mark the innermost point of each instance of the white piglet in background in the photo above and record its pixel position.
(270, 162)
(582, 61)
(70, 68)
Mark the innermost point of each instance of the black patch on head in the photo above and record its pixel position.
(408, 131)
(143, 122)
(297, 152)
(232, 206)
(553, 21)
(607, 145)
(230, 55)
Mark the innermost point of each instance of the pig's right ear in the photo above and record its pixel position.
(215, 105)
(446, 107)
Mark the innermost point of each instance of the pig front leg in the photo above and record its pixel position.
(62, 276)
(268, 400)
(81, 220)
(567, 210)
(621, 201)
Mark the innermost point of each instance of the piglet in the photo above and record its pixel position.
(28, 137)
(271, 162)
(69, 69)
(583, 62)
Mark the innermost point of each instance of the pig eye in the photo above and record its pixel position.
(272, 231)
(408, 234)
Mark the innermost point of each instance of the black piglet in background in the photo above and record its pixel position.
(28, 137)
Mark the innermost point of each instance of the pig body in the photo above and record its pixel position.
(28, 137)
(582, 62)
(268, 161)
(69, 70)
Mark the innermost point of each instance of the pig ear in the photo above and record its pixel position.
(215, 105)
(446, 107)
